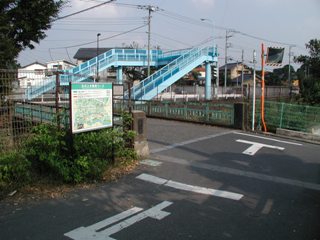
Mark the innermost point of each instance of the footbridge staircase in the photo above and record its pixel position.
(171, 72)
(174, 65)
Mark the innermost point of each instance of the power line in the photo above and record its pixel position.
(84, 30)
(263, 39)
(171, 39)
(84, 10)
(68, 55)
(189, 20)
(116, 35)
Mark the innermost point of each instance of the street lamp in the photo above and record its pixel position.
(213, 54)
(209, 20)
(254, 90)
(98, 35)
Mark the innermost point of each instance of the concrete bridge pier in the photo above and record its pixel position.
(119, 75)
(208, 81)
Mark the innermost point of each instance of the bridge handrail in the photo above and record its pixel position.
(88, 68)
(178, 63)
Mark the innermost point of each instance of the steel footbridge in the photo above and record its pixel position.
(171, 67)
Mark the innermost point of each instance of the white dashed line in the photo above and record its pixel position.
(190, 188)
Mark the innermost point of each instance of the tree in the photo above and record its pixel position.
(309, 72)
(137, 73)
(22, 24)
(279, 76)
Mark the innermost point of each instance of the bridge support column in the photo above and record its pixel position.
(119, 75)
(208, 81)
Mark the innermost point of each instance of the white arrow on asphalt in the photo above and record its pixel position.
(98, 231)
(255, 147)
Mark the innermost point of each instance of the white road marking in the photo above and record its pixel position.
(188, 142)
(191, 188)
(98, 232)
(266, 138)
(255, 147)
(241, 173)
(150, 162)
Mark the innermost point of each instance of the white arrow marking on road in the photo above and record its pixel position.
(97, 231)
(191, 188)
(255, 147)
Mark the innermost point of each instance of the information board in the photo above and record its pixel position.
(91, 106)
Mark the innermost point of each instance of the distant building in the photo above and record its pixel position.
(85, 54)
(37, 73)
(31, 74)
(60, 65)
(234, 71)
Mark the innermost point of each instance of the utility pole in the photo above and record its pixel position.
(97, 75)
(228, 35)
(254, 90)
(289, 71)
(150, 10)
(242, 55)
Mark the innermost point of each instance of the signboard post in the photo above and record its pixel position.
(91, 106)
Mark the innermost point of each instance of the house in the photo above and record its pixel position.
(31, 74)
(85, 54)
(60, 65)
(37, 73)
(234, 71)
(247, 79)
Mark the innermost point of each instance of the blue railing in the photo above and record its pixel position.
(122, 57)
(178, 60)
(180, 63)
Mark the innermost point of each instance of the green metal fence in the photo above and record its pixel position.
(40, 113)
(289, 116)
(211, 113)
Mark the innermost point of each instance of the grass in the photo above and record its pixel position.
(41, 188)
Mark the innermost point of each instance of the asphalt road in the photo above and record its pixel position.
(200, 182)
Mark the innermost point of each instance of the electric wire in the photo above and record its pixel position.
(102, 39)
(83, 10)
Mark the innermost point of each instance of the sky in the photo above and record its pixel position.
(176, 24)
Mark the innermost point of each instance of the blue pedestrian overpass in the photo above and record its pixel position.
(171, 67)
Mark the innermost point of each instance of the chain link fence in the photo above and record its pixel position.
(298, 117)
(18, 113)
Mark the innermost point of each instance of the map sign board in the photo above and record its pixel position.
(91, 106)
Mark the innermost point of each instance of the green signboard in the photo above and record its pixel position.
(91, 106)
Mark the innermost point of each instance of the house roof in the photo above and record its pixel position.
(232, 65)
(200, 69)
(88, 53)
(30, 64)
(65, 61)
(246, 77)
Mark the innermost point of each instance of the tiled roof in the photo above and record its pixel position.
(88, 53)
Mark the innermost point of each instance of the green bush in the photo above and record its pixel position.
(77, 158)
(45, 151)
(14, 167)
(70, 158)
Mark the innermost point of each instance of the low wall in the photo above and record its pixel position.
(299, 135)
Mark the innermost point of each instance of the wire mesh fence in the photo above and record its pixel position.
(28, 98)
(298, 117)
(19, 112)
(203, 112)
